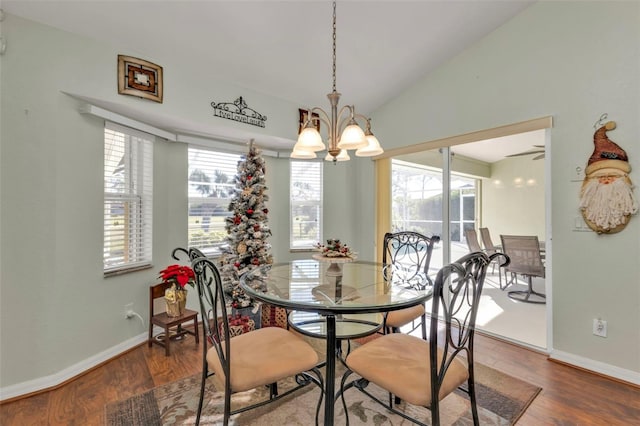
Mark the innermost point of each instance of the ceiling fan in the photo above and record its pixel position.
(539, 149)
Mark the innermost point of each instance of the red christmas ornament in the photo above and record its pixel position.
(237, 220)
(236, 264)
(255, 261)
(265, 211)
(250, 211)
(256, 227)
(249, 177)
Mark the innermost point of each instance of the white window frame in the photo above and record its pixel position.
(210, 236)
(309, 174)
(128, 154)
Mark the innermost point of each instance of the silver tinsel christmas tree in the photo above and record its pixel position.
(246, 227)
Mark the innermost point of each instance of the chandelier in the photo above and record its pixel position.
(343, 132)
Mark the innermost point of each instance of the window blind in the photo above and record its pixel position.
(128, 198)
(306, 204)
(210, 186)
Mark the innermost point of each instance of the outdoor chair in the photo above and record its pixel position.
(490, 249)
(262, 357)
(471, 236)
(424, 372)
(526, 260)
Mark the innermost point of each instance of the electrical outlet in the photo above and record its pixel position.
(128, 311)
(599, 327)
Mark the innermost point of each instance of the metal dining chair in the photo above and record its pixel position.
(252, 360)
(424, 372)
(406, 256)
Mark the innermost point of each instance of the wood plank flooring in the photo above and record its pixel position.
(569, 396)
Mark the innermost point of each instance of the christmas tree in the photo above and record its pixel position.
(247, 229)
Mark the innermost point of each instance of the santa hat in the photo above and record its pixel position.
(607, 154)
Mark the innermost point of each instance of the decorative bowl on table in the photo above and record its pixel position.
(335, 253)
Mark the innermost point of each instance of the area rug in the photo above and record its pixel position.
(501, 401)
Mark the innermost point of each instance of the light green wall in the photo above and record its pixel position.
(513, 198)
(574, 61)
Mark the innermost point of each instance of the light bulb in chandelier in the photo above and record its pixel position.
(352, 136)
(343, 156)
(302, 153)
(309, 139)
(372, 147)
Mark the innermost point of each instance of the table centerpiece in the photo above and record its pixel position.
(336, 253)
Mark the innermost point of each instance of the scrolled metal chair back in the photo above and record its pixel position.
(463, 280)
(192, 253)
(215, 321)
(406, 256)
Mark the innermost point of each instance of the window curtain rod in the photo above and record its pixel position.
(240, 146)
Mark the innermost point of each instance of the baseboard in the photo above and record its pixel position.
(621, 374)
(44, 383)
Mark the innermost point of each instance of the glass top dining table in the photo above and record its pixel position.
(331, 289)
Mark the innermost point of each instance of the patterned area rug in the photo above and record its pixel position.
(501, 398)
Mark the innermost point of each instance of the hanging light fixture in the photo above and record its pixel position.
(344, 132)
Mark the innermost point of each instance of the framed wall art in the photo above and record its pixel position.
(303, 117)
(137, 77)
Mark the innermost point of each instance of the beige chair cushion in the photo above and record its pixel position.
(399, 363)
(404, 316)
(264, 356)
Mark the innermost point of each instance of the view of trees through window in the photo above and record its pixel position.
(417, 200)
(210, 186)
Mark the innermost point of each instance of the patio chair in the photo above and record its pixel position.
(526, 260)
(490, 249)
(471, 236)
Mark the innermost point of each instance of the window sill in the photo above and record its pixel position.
(123, 271)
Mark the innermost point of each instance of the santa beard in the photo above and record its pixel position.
(608, 205)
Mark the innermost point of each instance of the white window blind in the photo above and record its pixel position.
(128, 198)
(211, 182)
(306, 204)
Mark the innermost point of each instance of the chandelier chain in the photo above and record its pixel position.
(334, 46)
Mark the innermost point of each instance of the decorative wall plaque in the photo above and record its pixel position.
(606, 198)
(238, 110)
(137, 77)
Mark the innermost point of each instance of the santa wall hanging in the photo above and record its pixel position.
(606, 198)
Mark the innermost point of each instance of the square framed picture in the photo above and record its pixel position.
(137, 77)
(303, 118)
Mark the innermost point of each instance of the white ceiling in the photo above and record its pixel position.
(283, 48)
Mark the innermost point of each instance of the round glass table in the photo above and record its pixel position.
(305, 286)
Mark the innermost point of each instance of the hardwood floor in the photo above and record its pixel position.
(569, 396)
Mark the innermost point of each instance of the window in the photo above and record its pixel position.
(211, 182)
(306, 204)
(128, 198)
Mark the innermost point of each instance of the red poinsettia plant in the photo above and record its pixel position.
(179, 274)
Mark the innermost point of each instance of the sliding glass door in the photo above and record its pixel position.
(419, 197)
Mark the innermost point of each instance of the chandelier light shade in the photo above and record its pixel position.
(343, 130)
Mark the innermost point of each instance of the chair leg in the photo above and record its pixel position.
(167, 341)
(472, 399)
(150, 334)
(202, 383)
(195, 330)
